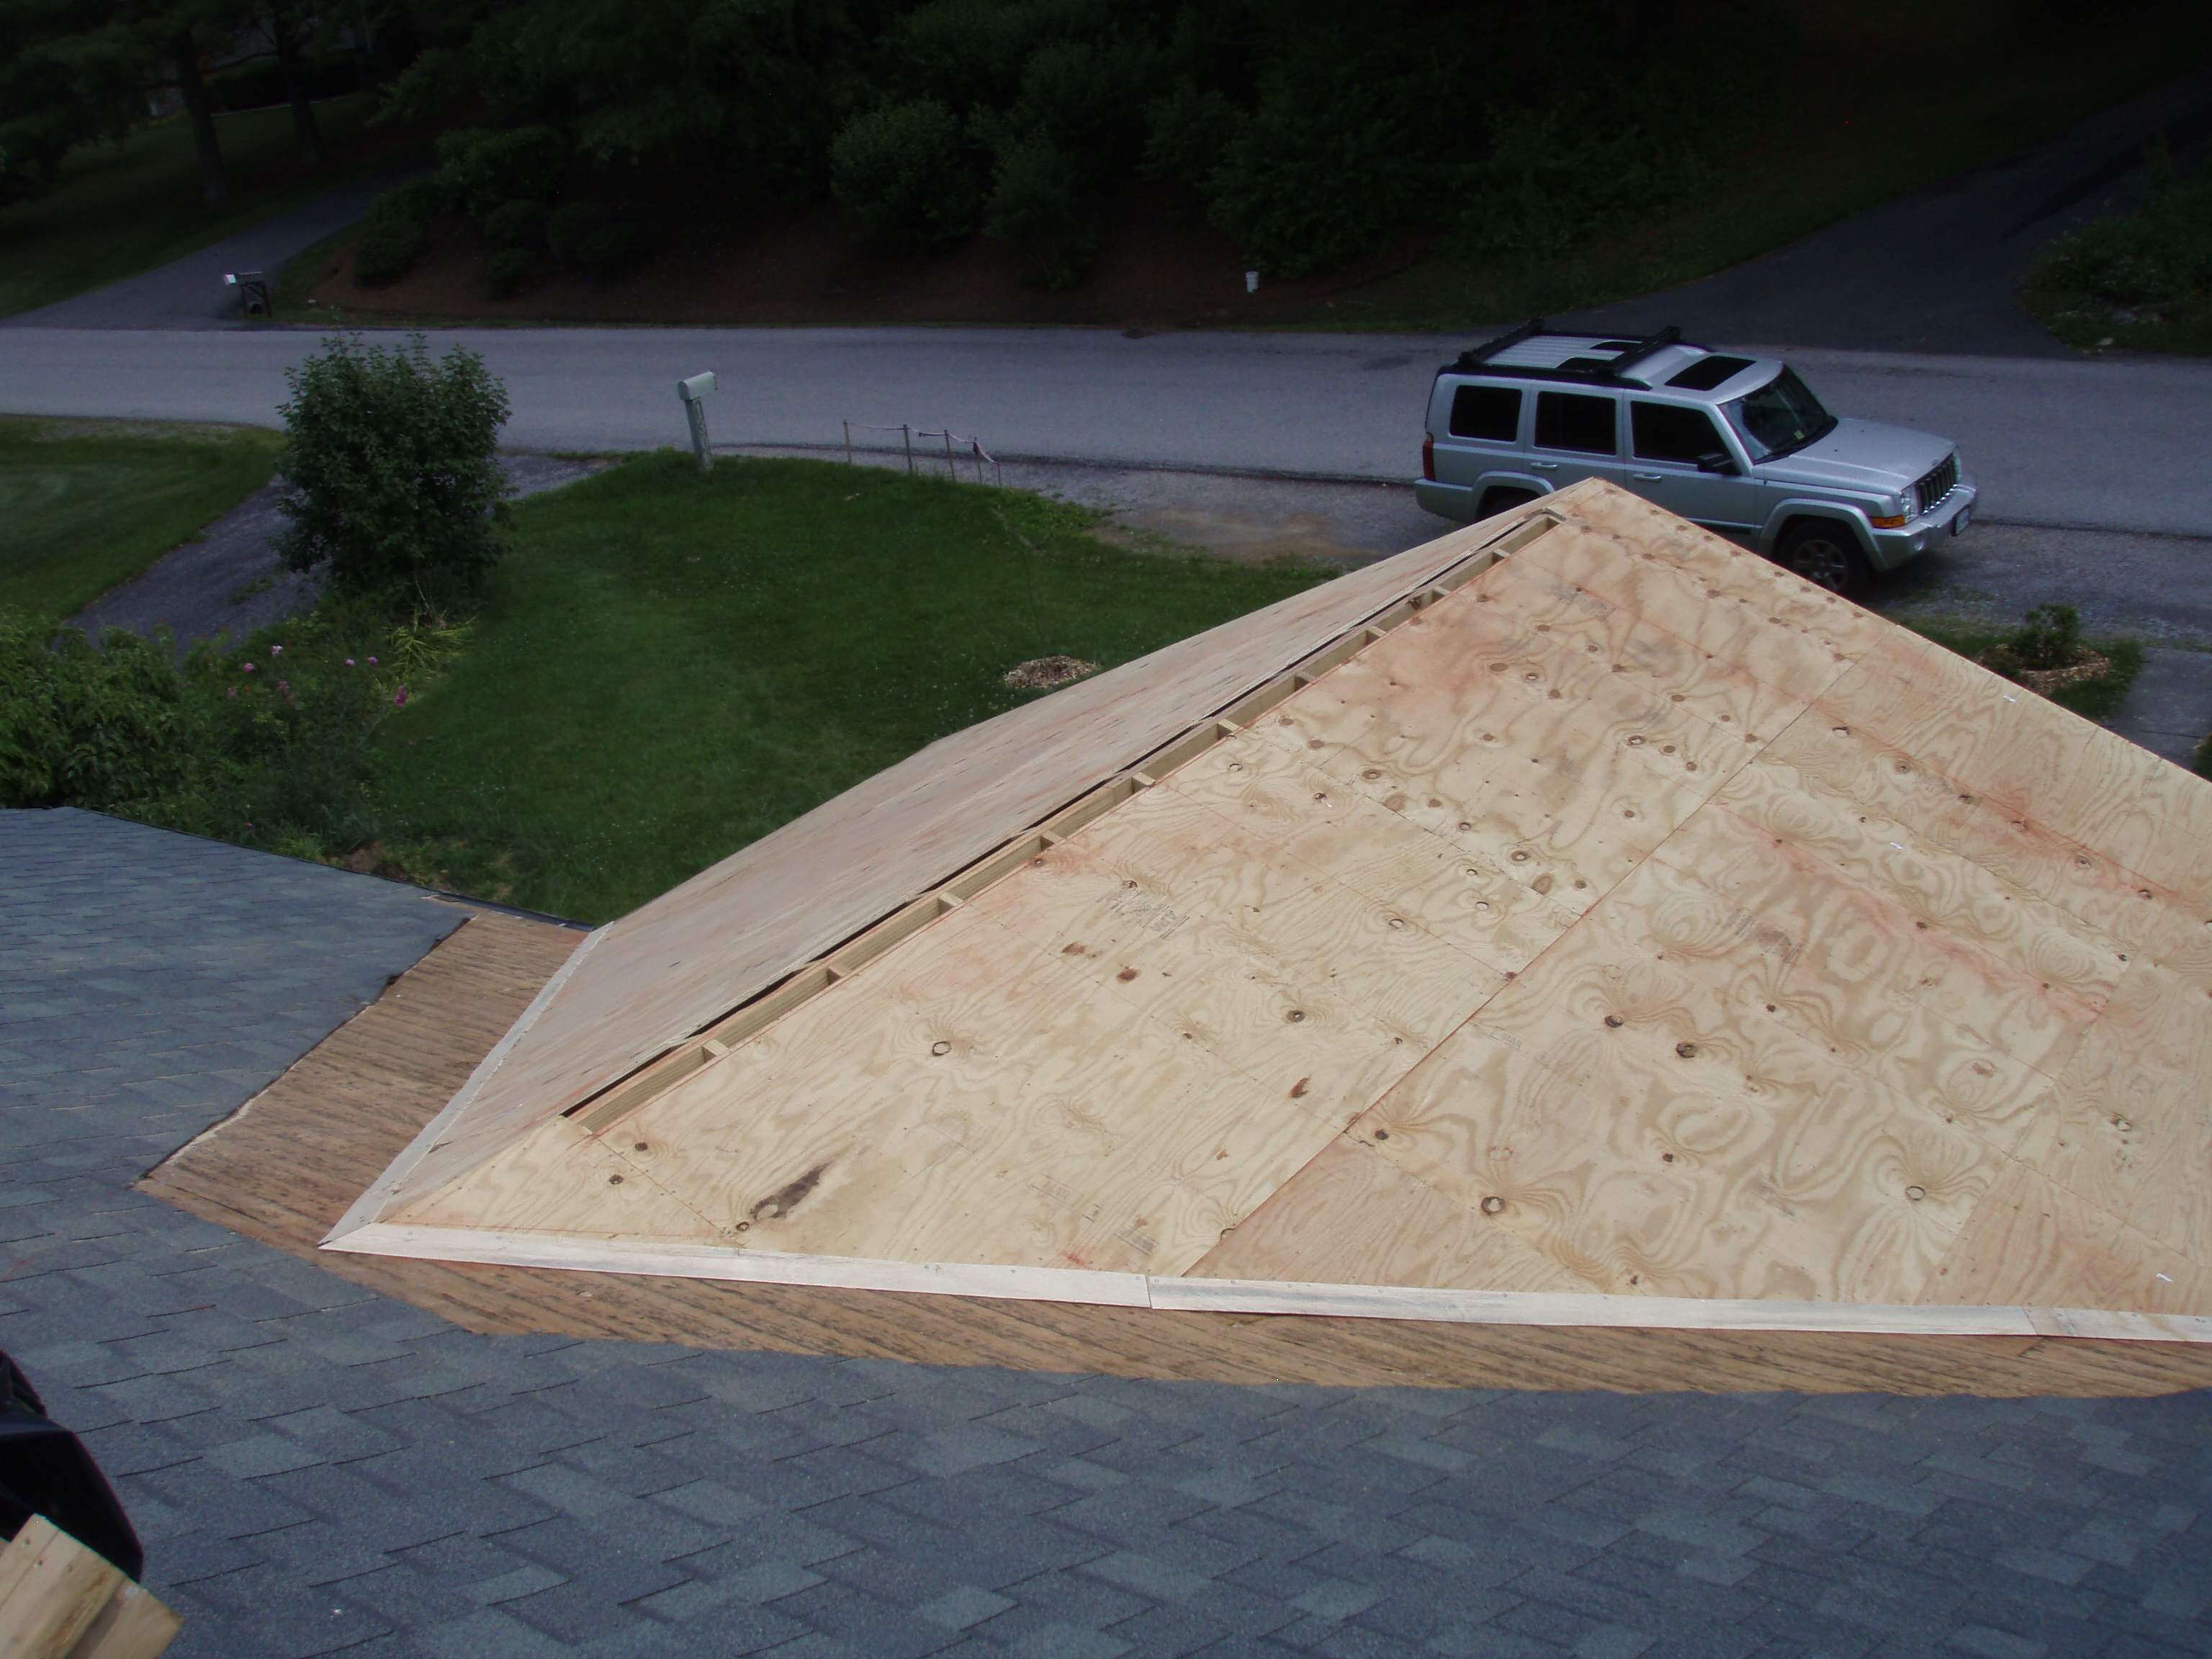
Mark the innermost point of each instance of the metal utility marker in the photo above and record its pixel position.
(693, 391)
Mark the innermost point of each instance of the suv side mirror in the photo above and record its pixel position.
(1719, 462)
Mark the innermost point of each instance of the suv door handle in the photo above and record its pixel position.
(1648, 477)
(1545, 467)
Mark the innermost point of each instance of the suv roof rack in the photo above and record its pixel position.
(1489, 349)
(1606, 370)
(1670, 335)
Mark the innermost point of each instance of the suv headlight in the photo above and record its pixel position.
(1906, 509)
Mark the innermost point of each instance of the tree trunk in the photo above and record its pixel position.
(364, 54)
(281, 26)
(214, 185)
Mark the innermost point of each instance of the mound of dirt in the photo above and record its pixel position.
(1043, 673)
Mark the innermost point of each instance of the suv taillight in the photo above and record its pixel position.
(1428, 458)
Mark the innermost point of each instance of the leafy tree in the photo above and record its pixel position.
(72, 72)
(905, 171)
(480, 167)
(392, 467)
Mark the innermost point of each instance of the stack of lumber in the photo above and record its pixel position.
(60, 1600)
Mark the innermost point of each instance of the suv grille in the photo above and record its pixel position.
(1938, 483)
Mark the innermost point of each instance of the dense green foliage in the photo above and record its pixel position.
(1314, 131)
(84, 726)
(392, 463)
(397, 225)
(87, 507)
(2050, 636)
(594, 236)
(2141, 279)
(769, 635)
(904, 169)
(72, 72)
(481, 167)
(270, 745)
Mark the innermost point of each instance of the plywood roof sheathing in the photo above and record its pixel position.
(1576, 919)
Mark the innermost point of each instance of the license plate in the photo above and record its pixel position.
(1959, 525)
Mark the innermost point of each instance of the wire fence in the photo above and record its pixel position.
(968, 449)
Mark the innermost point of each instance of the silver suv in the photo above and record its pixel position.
(1739, 445)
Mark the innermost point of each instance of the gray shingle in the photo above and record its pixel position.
(291, 1444)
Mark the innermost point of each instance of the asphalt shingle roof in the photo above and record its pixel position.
(316, 1468)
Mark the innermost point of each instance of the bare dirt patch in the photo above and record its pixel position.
(1156, 268)
(1043, 673)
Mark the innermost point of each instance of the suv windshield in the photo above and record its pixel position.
(1781, 416)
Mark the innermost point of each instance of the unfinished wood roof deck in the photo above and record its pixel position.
(1630, 933)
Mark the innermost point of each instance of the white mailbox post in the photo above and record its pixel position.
(694, 391)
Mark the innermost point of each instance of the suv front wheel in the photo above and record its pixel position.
(1823, 552)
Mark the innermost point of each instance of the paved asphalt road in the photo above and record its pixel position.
(190, 292)
(1939, 268)
(2101, 444)
(2056, 440)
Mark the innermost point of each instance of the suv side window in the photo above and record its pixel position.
(1667, 432)
(1491, 413)
(1577, 422)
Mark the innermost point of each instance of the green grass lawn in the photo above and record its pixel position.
(668, 667)
(2092, 699)
(80, 513)
(122, 209)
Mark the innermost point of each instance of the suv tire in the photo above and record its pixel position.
(1500, 499)
(1827, 554)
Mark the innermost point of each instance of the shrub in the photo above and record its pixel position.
(1553, 178)
(392, 468)
(284, 727)
(2144, 277)
(904, 171)
(1088, 100)
(966, 53)
(510, 271)
(1189, 130)
(517, 225)
(268, 746)
(385, 253)
(594, 236)
(1035, 205)
(102, 728)
(2050, 636)
(1328, 169)
(417, 202)
(479, 167)
(396, 227)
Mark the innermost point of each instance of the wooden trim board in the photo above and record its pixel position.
(573, 1252)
